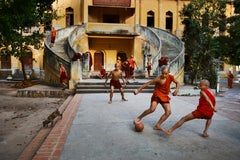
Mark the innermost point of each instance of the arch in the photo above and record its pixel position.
(150, 19)
(98, 60)
(69, 16)
(169, 21)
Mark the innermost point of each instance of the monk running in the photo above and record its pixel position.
(205, 109)
(160, 95)
(116, 75)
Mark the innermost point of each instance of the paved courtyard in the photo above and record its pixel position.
(102, 131)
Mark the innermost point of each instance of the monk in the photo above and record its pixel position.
(119, 61)
(205, 109)
(230, 79)
(149, 66)
(63, 76)
(103, 73)
(132, 63)
(115, 82)
(160, 95)
(126, 68)
(53, 36)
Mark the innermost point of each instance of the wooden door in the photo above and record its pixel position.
(98, 61)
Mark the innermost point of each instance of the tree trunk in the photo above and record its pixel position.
(23, 70)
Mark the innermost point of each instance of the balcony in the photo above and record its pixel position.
(111, 29)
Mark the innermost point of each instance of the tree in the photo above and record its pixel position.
(15, 16)
(201, 19)
(228, 46)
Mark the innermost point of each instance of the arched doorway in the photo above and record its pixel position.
(169, 21)
(69, 17)
(122, 55)
(28, 61)
(150, 19)
(98, 60)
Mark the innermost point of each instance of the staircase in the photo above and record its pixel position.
(165, 43)
(98, 87)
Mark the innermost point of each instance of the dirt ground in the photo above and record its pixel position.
(21, 119)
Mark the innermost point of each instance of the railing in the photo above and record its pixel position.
(177, 63)
(61, 34)
(111, 28)
(52, 60)
(154, 41)
(76, 34)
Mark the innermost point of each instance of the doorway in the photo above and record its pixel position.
(122, 55)
(150, 19)
(98, 60)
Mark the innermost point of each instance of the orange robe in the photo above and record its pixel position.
(204, 110)
(230, 80)
(63, 74)
(162, 91)
(54, 33)
(120, 64)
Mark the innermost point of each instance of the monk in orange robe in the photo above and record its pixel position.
(63, 76)
(205, 109)
(132, 63)
(53, 36)
(230, 79)
(160, 95)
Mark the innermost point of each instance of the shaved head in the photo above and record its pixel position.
(205, 82)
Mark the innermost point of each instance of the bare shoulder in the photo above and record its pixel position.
(211, 92)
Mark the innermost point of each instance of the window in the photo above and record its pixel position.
(5, 62)
(169, 21)
(150, 19)
(69, 17)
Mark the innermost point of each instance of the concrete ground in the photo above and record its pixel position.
(92, 129)
(102, 131)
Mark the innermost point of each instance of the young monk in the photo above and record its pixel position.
(205, 109)
(115, 82)
(149, 67)
(160, 95)
(63, 76)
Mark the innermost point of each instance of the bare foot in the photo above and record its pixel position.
(136, 121)
(156, 127)
(123, 99)
(110, 102)
(162, 129)
(205, 134)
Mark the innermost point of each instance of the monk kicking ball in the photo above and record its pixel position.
(205, 109)
(160, 95)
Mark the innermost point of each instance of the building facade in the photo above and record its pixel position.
(108, 29)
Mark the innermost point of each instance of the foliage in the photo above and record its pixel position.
(201, 19)
(17, 16)
(228, 47)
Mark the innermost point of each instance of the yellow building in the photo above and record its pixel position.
(102, 30)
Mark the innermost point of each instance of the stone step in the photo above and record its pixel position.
(107, 90)
(98, 87)
(43, 93)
